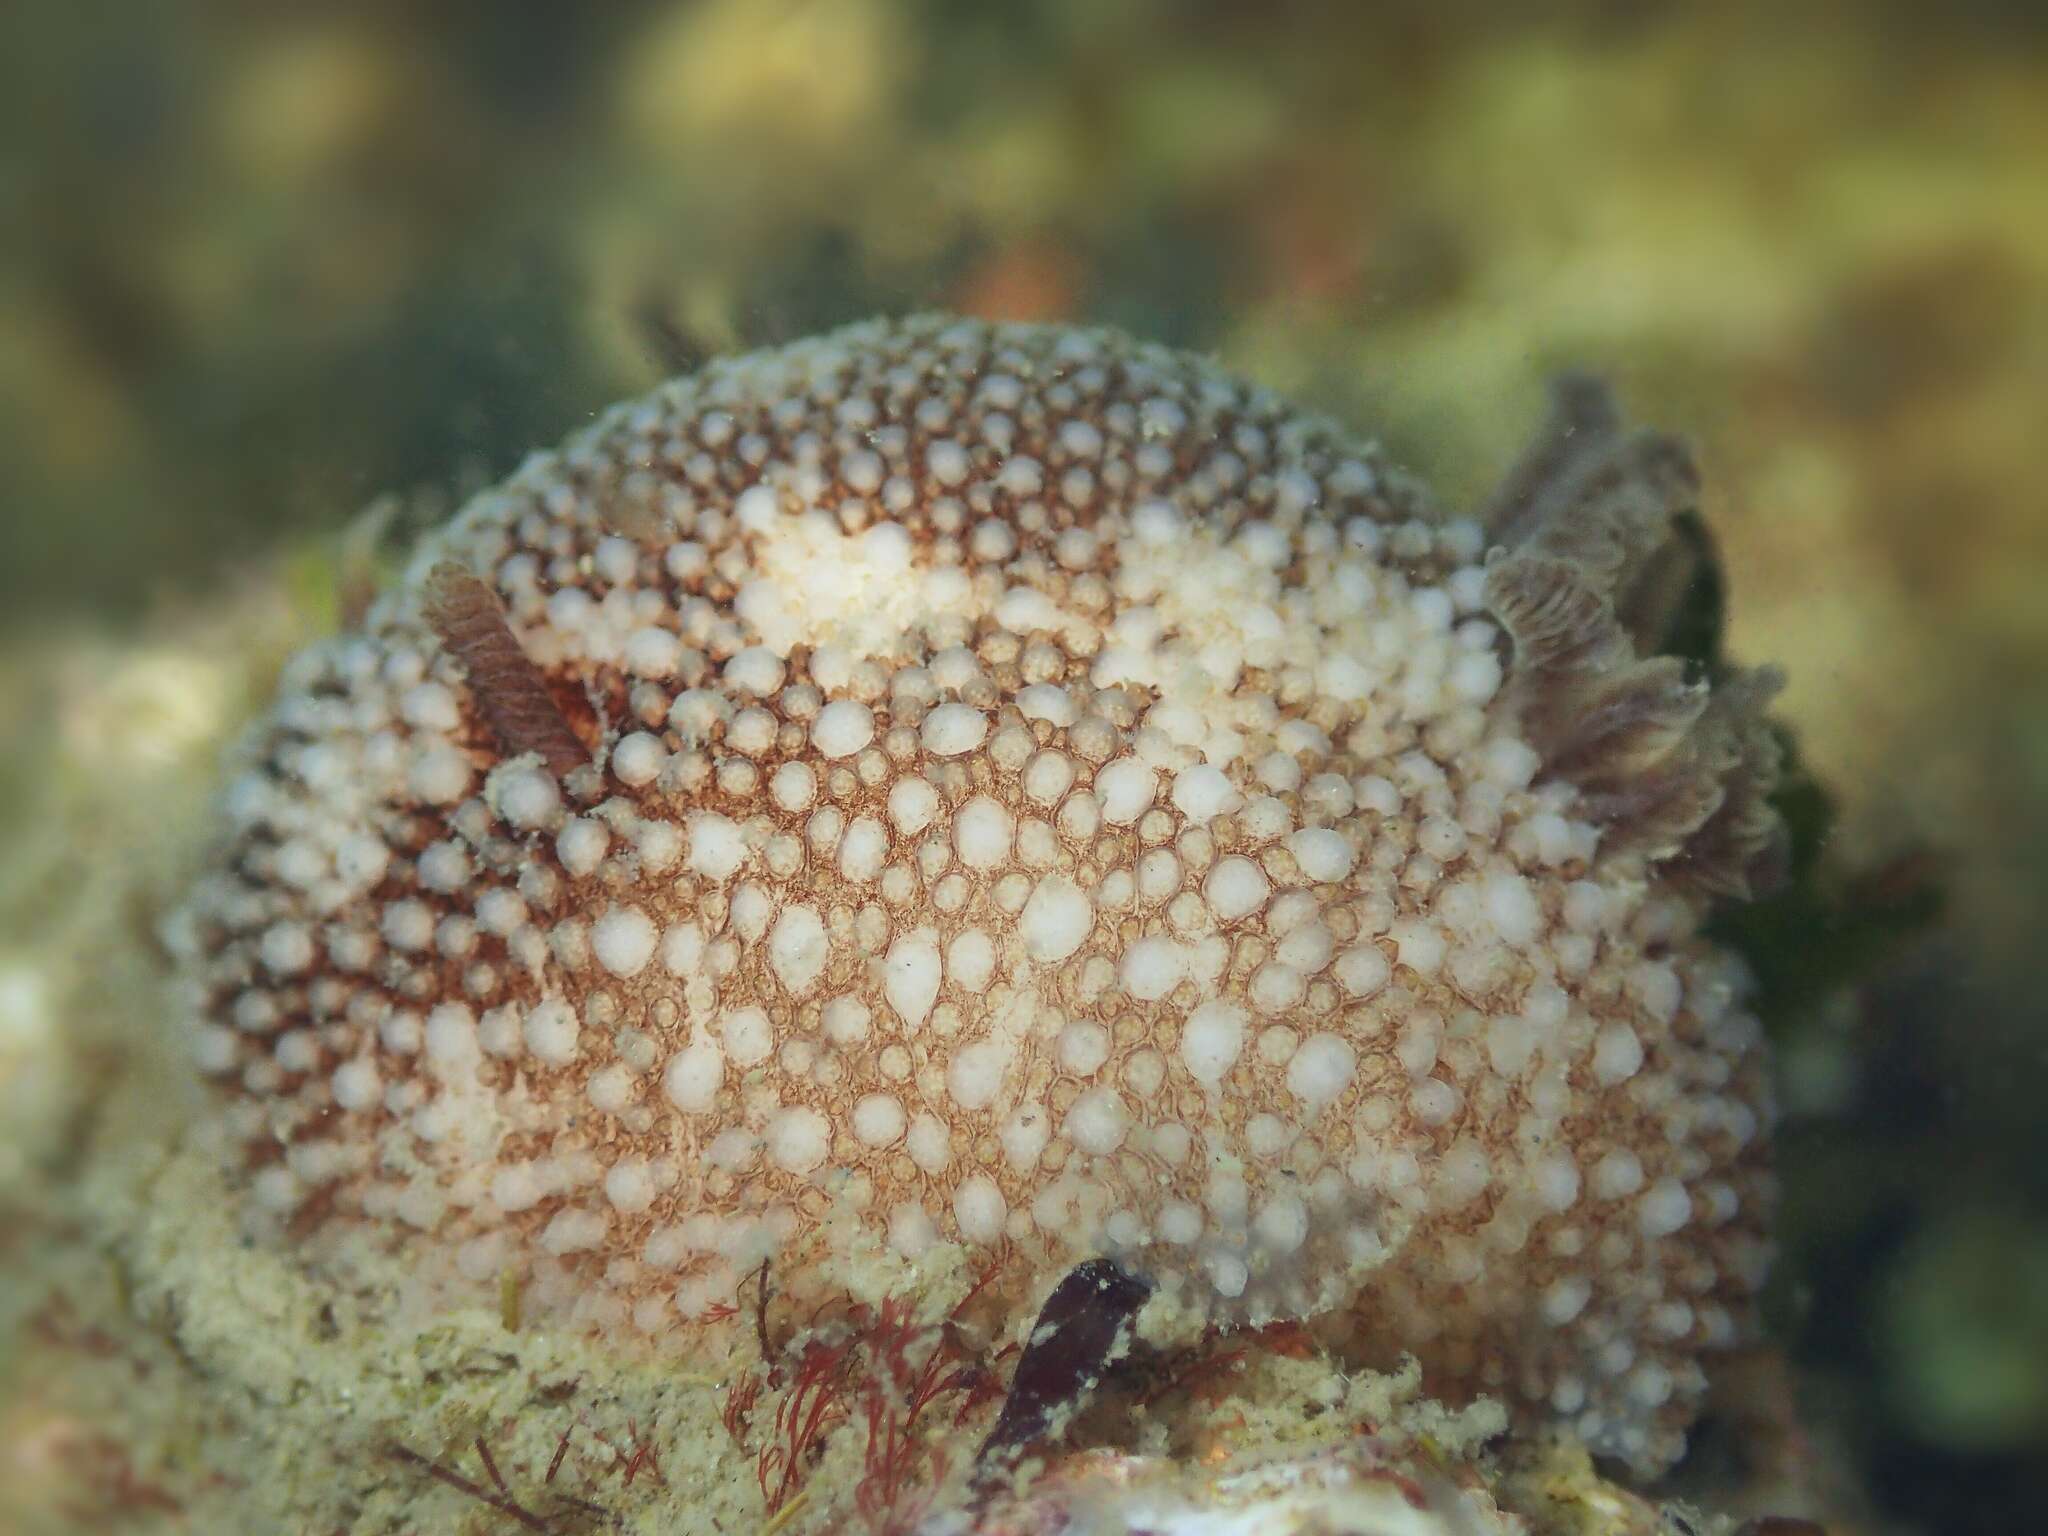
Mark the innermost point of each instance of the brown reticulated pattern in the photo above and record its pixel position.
(1020, 788)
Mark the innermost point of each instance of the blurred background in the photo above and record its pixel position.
(266, 263)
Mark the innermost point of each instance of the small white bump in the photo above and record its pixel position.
(1322, 1069)
(551, 1030)
(947, 461)
(501, 912)
(444, 867)
(1151, 968)
(717, 846)
(361, 861)
(1180, 1223)
(910, 977)
(276, 1189)
(1276, 988)
(449, 1039)
(1565, 1299)
(693, 1075)
(574, 1231)
(629, 1186)
(1617, 1054)
(979, 1209)
(975, 1074)
(581, 845)
(682, 949)
(798, 949)
(929, 1143)
(407, 926)
(1512, 909)
(1157, 523)
(794, 786)
(1510, 1044)
(517, 1187)
(1098, 1122)
(842, 728)
(694, 713)
(751, 732)
(440, 776)
(1462, 1174)
(1236, 888)
(1056, 920)
(747, 1035)
(757, 508)
(1307, 948)
(1083, 1047)
(400, 1032)
(1281, 1225)
(287, 949)
(1650, 1385)
(1211, 1041)
(862, 849)
(798, 1139)
(1047, 777)
(912, 804)
(1658, 988)
(1475, 676)
(953, 729)
(846, 1020)
(430, 707)
(1363, 970)
(356, 1084)
(756, 671)
(1664, 1208)
(638, 758)
(1159, 874)
(1203, 792)
(981, 833)
(1617, 1174)
(1420, 945)
(878, 1120)
(1024, 1136)
(970, 960)
(623, 940)
(652, 652)
(610, 1089)
(1267, 818)
(526, 797)
(1323, 853)
(1228, 1273)
(1125, 789)
(1433, 1102)
(1047, 701)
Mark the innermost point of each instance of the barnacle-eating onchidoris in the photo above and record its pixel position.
(1024, 788)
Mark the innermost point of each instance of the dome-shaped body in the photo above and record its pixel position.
(1022, 788)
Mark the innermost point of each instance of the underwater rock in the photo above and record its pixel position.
(1025, 789)
(1358, 1488)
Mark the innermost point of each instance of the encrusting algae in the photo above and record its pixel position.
(929, 807)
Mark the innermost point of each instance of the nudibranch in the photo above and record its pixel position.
(1022, 788)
